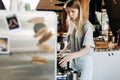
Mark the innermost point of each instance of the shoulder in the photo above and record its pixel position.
(87, 25)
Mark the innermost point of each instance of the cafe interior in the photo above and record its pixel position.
(29, 50)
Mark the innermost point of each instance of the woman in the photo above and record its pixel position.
(80, 43)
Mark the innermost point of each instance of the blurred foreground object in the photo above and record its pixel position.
(36, 20)
(45, 48)
(45, 37)
(39, 60)
(41, 31)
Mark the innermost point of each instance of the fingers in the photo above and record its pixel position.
(63, 62)
(59, 55)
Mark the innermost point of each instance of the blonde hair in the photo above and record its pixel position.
(79, 21)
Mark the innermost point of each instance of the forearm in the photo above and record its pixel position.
(74, 55)
(82, 52)
(63, 50)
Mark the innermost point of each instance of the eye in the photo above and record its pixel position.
(73, 11)
(68, 11)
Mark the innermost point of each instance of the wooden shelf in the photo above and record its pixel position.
(49, 5)
(101, 44)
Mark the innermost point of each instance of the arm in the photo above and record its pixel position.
(82, 52)
(65, 49)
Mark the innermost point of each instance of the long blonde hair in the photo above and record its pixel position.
(79, 21)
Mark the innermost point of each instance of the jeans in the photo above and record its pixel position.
(84, 66)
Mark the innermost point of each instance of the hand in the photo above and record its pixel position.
(63, 62)
(60, 54)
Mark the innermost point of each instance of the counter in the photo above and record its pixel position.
(105, 50)
(106, 64)
(18, 66)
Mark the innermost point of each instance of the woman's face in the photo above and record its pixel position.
(73, 13)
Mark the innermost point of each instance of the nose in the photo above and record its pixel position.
(71, 14)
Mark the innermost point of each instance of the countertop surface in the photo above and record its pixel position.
(106, 50)
(19, 66)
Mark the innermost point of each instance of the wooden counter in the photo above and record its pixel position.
(101, 44)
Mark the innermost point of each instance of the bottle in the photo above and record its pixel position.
(113, 39)
(118, 39)
(69, 73)
(58, 47)
(27, 6)
(75, 75)
(21, 5)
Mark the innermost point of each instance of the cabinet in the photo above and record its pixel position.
(106, 65)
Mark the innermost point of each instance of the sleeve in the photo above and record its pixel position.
(88, 35)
